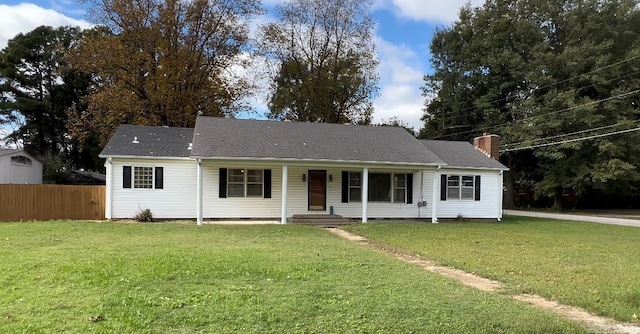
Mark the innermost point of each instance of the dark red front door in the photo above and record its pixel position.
(317, 190)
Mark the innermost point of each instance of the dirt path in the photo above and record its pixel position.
(589, 320)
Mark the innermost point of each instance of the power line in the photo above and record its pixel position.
(574, 90)
(562, 81)
(571, 133)
(542, 115)
(570, 140)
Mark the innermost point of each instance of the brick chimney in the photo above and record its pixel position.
(488, 144)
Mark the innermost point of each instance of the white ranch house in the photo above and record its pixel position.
(257, 169)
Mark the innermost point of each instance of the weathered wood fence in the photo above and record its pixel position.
(51, 201)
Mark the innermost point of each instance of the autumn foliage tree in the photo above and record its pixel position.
(160, 62)
(325, 61)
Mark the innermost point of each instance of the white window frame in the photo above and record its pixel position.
(245, 182)
(394, 185)
(355, 186)
(462, 184)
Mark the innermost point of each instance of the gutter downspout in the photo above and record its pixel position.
(421, 192)
(434, 200)
(199, 192)
(108, 189)
(500, 182)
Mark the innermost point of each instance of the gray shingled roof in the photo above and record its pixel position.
(153, 141)
(234, 138)
(215, 137)
(461, 154)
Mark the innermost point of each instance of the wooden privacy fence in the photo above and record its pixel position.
(51, 201)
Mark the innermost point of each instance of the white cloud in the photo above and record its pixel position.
(24, 17)
(401, 72)
(434, 11)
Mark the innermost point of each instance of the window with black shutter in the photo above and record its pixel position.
(126, 176)
(267, 183)
(159, 178)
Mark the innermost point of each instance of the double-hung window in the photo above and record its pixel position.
(460, 187)
(235, 182)
(400, 188)
(242, 182)
(245, 183)
(355, 187)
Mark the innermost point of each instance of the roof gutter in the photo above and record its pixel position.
(305, 161)
(478, 168)
(105, 156)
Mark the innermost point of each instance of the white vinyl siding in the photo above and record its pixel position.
(490, 195)
(252, 206)
(297, 195)
(383, 209)
(14, 168)
(177, 199)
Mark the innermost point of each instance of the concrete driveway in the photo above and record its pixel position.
(582, 218)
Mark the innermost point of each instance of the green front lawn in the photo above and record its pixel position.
(179, 278)
(593, 266)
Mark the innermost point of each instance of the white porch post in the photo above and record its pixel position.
(199, 192)
(436, 198)
(285, 179)
(365, 193)
(108, 189)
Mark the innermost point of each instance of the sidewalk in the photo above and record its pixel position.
(582, 218)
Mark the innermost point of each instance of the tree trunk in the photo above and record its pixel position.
(557, 199)
(507, 200)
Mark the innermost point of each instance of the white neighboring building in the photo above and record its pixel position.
(236, 169)
(19, 167)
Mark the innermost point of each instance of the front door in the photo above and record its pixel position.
(317, 190)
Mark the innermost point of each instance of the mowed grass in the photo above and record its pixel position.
(593, 266)
(180, 278)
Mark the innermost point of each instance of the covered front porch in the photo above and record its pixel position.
(281, 190)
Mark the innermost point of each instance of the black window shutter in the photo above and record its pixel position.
(409, 187)
(266, 183)
(126, 176)
(443, 187)
(345, 187)
(477, 185)
(223, 183)
(159, 177)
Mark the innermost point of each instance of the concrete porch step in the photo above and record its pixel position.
(320, 220)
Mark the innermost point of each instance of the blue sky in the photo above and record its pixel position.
(403, 33)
